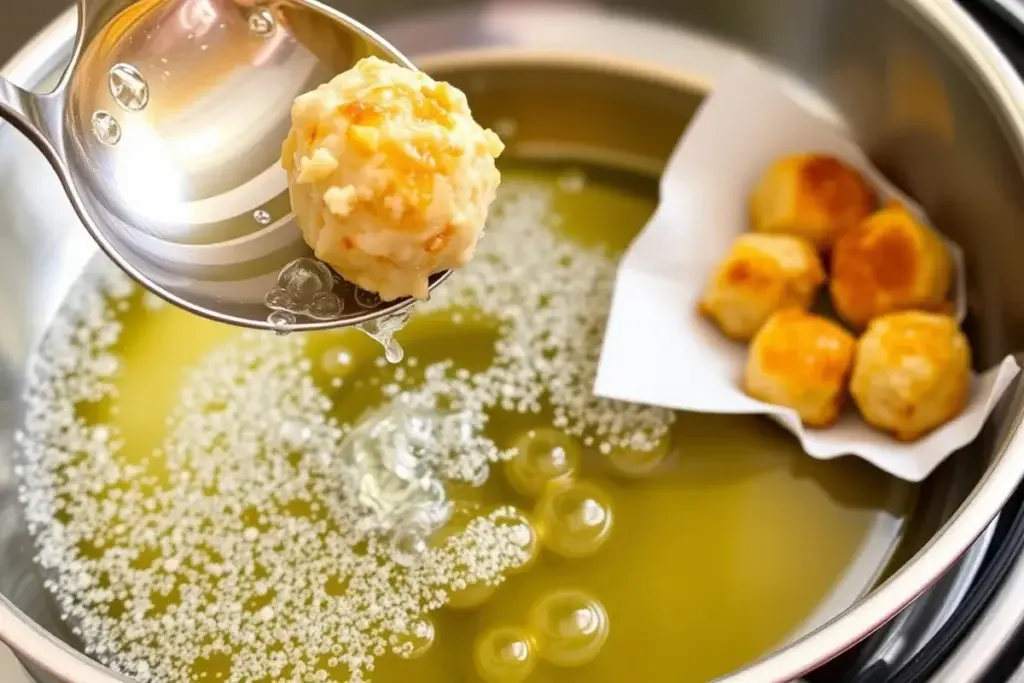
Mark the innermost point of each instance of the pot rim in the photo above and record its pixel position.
(958, 32)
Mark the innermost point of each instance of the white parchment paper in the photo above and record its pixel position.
(658, 351)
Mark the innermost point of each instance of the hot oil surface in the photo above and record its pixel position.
(725, 550)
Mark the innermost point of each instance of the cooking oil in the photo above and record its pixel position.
(198, 500)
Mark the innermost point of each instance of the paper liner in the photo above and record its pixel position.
(658, 351)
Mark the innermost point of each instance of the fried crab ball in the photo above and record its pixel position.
(801, 361)
(889, 262)
(390, 177)
(911, 373)
(760, 275)
(814, 196)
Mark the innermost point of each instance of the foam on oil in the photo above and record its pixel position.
(197, 499)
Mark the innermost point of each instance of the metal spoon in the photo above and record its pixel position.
(166, 132)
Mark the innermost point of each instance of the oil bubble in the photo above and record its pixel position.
(106, 128)
(128, 87)
(277, 299)
(417, 640)
(262, 22)
(304, 277)
(570, 626)
(325, 306)
(574, 520)
(367, 299)
(542, 456)
(524, 535)
(304, 288)
(637, 462)
(408, 545)
(281, 321)
(504, 655)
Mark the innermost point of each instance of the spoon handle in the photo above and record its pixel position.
(29, 112)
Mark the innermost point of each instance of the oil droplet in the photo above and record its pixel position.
(393, 351)
(262, 216)
(504, 655)
(574, 520)
(261, 22)
(128, 87)
(570, 627)
(106, 128)
(384, 329)
(542, 456)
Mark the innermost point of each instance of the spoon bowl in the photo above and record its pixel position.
(166, 132)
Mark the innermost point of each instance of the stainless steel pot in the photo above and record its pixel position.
(920, 86)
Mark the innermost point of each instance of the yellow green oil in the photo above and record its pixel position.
(710, 564)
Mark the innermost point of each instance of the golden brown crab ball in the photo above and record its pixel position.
(760, 275)
(801, 361)
(813, 196)
(911, 373)
(889, 262)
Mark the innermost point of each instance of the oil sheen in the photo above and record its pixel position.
(195, 507)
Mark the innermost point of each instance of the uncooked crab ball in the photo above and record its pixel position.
(390, 177)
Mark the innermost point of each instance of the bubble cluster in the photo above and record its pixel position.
(220, 546)
(523, 534)
(551, 297)
(305, 287)
(417, 641)
(387, 467)
(239, 540)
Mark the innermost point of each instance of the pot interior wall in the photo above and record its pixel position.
(911, 103)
